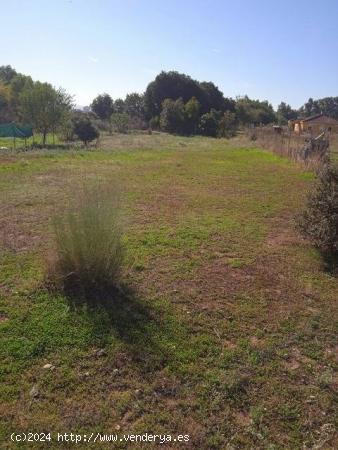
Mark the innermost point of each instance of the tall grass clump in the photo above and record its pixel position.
(88, 246)
(319, 220)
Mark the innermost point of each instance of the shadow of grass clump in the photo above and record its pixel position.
(149, 334)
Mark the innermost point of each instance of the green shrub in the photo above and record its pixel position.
(319, 221)
(120, 122)
(227, 125)
(85, 130)
(208, 124)
(172, 117)
(154, 123)
(89, 251)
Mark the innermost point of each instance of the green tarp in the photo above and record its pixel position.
(13, 130)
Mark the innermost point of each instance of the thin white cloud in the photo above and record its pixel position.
(92, 59)
(216, 50)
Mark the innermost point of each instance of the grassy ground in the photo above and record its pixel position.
(227, 331)
(11, 144)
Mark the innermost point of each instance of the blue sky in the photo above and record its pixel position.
(274, 50)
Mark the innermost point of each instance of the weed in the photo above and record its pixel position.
(88, 246)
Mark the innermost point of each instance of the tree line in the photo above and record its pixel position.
(172, 102)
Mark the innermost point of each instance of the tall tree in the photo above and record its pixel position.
(119, 106)
(134, 105)
(18, 84)
(171, 85)
(172, 118)
(209, 122)
(7, 73)
(176, 85)
(285, 113)
(214, 98)
(254, 112)
(192, 113)
(44, 107)
(227, 125)
(6, 112)
(85, 129)
(326, 105)
(103, 106)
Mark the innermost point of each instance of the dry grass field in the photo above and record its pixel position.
(227, 329)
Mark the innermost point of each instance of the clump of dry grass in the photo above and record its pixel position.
(88, 246)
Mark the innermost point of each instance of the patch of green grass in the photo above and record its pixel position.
(220, 332)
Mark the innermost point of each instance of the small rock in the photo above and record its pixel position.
(48, 367)
(34, 392)
(86, 374)
(115, 371)
(117, 428)
(100, 352)
(138, 391)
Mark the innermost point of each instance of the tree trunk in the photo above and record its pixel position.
(44, 137)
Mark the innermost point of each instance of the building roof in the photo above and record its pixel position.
(316, 116)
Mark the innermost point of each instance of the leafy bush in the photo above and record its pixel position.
(85, 130)
(120, 122)
(103, 106)
(227, 125)
(192, 113)
(172, 117)
(208, 124)
(154, 123)
(89, 251)
(319, 221)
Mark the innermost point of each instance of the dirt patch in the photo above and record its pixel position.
(242, 418)
(281, 237)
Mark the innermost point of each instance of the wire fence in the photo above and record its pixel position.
(312, 152)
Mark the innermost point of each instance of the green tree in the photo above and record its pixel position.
(85, 129)
(191, 117)
(326, 105)
(227, 125)
(134, 105)
(175, 85)
(119, 106)
(213, 98)
(120, 122)
(6, 113)
(7, 73)
(18, 84)
(208, 124)
(44, 107)
(171, 85)
(254, 111)
(285, 113)
(309, 108)
(154, 123)
(172, 117)
(103, 106)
